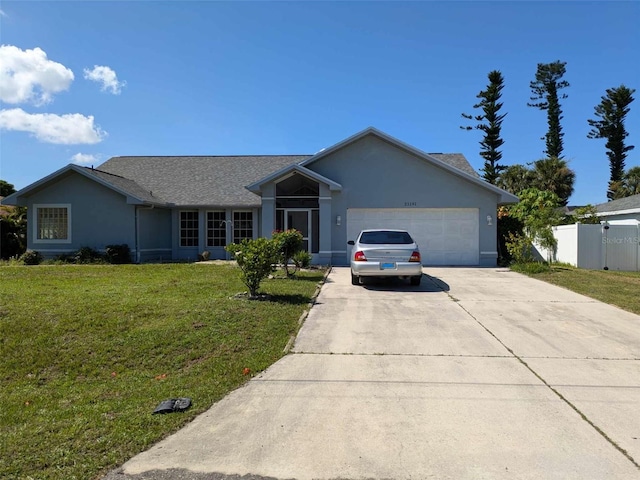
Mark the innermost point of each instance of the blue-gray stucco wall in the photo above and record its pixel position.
(99, 216)
(376, 174)
(154, 234)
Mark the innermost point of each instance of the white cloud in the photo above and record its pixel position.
(106, 76)
(68, 129)
(84, 159)
(28, 76)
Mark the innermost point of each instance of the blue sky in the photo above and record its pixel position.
(227, 78)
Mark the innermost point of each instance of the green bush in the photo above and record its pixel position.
(302, 259)
(255, 259)
(288, 244)
(13, 233)
(118, 254)
(31, 257)
(87, 255)
(63, 258)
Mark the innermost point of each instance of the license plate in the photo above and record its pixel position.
(386, 266)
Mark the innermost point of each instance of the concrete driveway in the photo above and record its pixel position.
(476, 374)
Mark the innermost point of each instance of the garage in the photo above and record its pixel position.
(446, 236)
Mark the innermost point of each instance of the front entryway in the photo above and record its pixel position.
(299, 220)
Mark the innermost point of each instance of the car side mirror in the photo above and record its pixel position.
(351, 242)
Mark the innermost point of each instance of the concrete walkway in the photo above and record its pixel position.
(476, 374)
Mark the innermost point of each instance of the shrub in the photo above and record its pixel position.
(519, 247)
(13, 232)
(288, 244)
(31, 257)
(255, 259)
(118, 254)
(87, 255)
(302, 259)
(64, 258)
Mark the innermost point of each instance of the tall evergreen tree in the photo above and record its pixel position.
(490, 122)
(545, 95)
(611, 112)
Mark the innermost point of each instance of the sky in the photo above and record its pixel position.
(81, 82)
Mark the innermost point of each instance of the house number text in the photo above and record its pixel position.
(410, 204)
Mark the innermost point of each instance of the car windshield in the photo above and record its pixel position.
(385, 237)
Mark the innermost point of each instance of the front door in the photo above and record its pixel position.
(300, 220)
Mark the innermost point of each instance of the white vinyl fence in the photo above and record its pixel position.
(596, 247)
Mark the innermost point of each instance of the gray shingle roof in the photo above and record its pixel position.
(626, 203)
(457, 160)
(214, 181)
(191, 181)
(125, 185)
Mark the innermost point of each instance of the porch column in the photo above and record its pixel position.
(324, 252)
(268, 217)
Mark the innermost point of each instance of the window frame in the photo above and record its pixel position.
(211, 239)
(191, 229)
(237, 239)
(36, 222)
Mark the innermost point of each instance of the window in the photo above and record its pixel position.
(382, 237)
(216, 229)
(242, 226)
(189, 228)
(53, 223)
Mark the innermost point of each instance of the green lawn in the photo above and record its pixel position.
(87, 353)
(617, 288)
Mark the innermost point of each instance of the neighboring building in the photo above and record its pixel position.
(174, 208)
(622, 211)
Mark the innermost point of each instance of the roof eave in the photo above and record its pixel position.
(629, 211)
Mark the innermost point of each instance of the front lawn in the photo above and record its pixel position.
(616, 288)
(88, 352)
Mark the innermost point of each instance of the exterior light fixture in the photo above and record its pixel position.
(489, 220)
(338, 220)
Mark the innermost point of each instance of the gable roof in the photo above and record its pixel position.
(198, 180)
(134, 193)
(454, 163)
(287, 171)
(621, 206)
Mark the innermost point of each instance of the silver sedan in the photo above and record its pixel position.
(385, 253)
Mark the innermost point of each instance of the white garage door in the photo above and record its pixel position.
(446, 236)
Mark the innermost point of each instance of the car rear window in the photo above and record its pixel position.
(385, 237)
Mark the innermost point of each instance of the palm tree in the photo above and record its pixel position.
(515, 178)
(554, 175)
(629, 185)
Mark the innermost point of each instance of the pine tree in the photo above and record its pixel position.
(490, 122)
(545, 90)
(612, 111)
